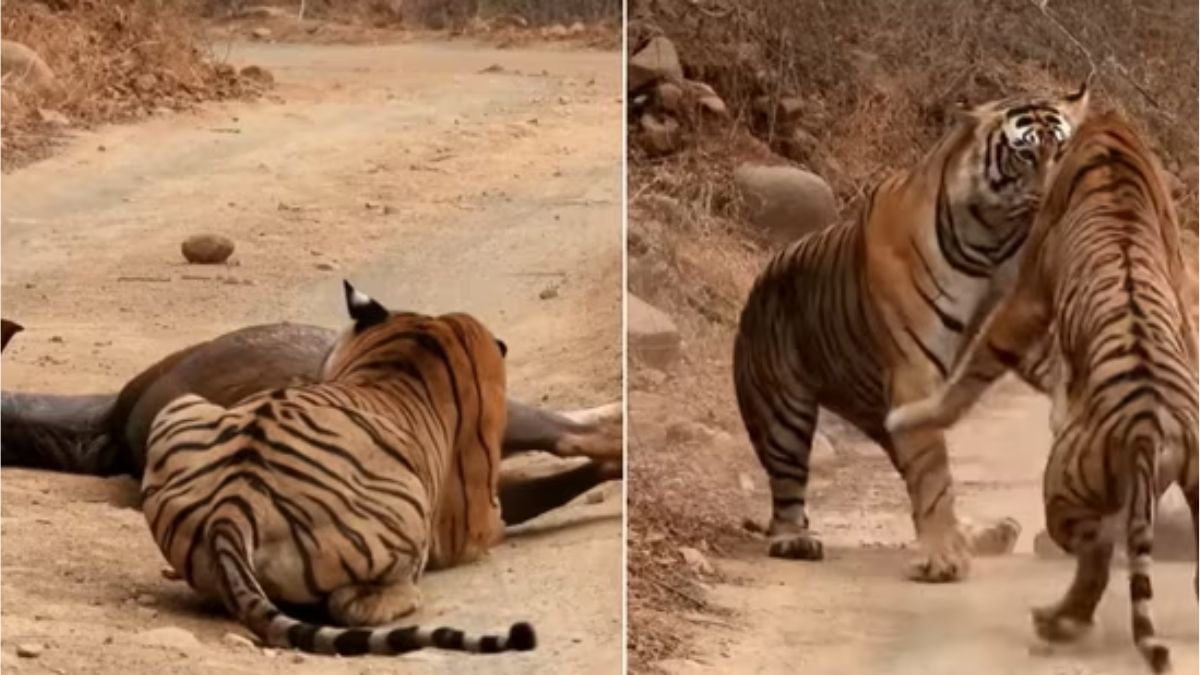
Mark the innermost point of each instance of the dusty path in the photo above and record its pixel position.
(433, 186)
(854, 613)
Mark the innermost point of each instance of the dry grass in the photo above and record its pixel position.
(876, 78)
(876, 98)
(114, 60)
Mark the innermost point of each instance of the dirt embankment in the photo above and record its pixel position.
(848, 91)
(435, 176)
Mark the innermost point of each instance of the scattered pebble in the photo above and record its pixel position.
(207, 249)
(169, 636)
(146, 600)
(30, 650)
(324, 266)
(238, 641)
(548, 293)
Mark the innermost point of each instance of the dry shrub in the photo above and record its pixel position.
(113, 60)
(457, 13)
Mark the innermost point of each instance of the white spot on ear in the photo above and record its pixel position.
(359, 299)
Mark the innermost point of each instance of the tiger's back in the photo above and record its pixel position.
(343, 491)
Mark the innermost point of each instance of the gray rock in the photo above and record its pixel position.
(653, 337)
(658, 60)
(21, 66)
(659, 136)
(785, 202)
(670, 96)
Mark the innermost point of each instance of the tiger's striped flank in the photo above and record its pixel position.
(343, 492)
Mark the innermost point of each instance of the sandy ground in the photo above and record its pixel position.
(432, 185)
(854, 613)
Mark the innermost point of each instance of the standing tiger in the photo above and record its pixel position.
(866, 315)
(343, 491)
(1103, 268)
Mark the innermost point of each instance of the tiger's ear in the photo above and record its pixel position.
(365, 311)
(1075, 104)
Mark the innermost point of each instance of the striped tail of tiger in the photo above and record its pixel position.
(1140, 532)
(245, 598)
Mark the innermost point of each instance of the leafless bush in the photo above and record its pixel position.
(112, 59)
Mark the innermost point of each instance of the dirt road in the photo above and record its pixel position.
(432, 180)
(855, 614)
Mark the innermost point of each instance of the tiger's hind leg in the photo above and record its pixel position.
(1080, 531)
(373, 604)
(781, 427)
(1071, 617)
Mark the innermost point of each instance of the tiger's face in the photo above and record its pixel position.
(1016, 143)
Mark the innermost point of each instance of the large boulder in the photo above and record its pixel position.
(20, 66)
(653, 337)
(658, 60)
(785, 202)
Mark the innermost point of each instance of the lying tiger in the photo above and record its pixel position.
(1103, 277)
(341, 492)
(105, 434)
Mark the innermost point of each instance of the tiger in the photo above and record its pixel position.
(341, 492)
(1103, 278)
(871, 313)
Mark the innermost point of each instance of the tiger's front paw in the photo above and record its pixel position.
(793, 541)
(998, 538)
(945, 556)
(800, 546)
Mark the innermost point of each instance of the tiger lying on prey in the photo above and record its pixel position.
(343, 491)
(106, 434)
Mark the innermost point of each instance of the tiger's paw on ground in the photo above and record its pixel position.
(944, 557)
(791, 541)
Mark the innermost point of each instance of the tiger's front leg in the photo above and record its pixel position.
(946, 542)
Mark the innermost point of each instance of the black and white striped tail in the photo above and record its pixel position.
(246, 599)
(1140, 533)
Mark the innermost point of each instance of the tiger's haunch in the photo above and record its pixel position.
(341, 492)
